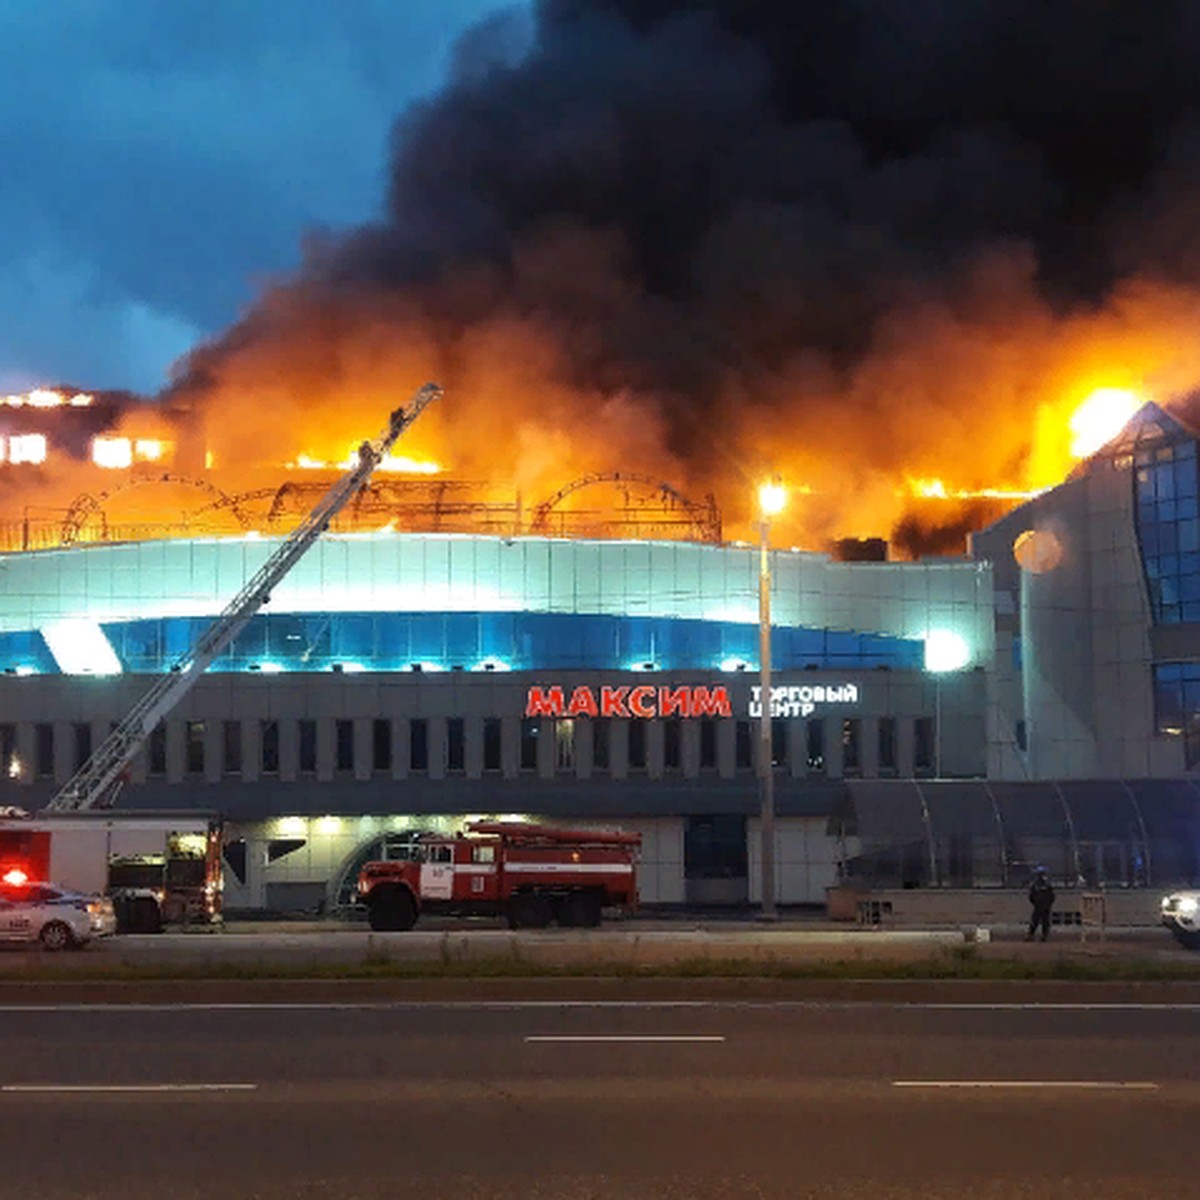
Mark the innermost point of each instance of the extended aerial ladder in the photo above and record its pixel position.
(97, 782)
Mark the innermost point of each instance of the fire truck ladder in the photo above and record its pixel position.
(97, 782)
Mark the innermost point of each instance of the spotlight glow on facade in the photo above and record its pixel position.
(945, 651)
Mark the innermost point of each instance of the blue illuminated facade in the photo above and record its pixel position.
(480, 641)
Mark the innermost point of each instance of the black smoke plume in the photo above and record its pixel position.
(769, 233)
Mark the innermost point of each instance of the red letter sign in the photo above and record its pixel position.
(547, 704)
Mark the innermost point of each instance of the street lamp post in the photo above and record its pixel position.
(771, 499)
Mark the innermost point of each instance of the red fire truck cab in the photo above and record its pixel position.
(531, 874)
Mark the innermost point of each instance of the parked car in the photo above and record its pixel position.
(1181, 915)
(32, 911)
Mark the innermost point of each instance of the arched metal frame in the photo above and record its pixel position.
(704, 519)
(87, 505)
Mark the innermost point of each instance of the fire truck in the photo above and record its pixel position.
(158, 868)
(531, 874)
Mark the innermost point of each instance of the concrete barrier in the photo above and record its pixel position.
(549, 948)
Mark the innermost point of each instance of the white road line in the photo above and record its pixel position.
(623, 1037)
(518, 1005)
(1076, 1084)
(129, 1087)
(1066, 1005)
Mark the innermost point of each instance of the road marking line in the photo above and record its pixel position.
(624, 1037)
(517, 1005)
(129, 1087)
(1078, 1084)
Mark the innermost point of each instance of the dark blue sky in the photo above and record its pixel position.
(162, 159)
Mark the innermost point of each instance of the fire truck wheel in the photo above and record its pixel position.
(57, 936)
(529, 912)
(393, 912)
(580, 910)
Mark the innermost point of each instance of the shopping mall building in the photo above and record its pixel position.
(948, 722)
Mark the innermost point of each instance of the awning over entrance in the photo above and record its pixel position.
(974, 833)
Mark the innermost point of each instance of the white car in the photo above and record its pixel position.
(57, 918)
(1180, 913)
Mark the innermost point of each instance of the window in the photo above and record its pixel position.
(815, 746)
(156, 750)
(455, 744)
(564, 744)
(83, 743)
(714, 847)
(672, 749)
(887, 745)
(278, 848)
(708, 743)
(851, 752)
(270, 748)
(343, 747)
(10, 766)
(43, 747)
(923, 746)
(529, 744)
(779, 742)
(1177, 706)
(601, 743)
(743, 746)
(491, 743)
(308, 746)
(1168, 528)
(637, 745)
(194, 747)
(231, 748)
(483, 854)
(418, 744)
(381, 744)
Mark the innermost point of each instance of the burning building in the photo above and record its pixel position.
(657, 250)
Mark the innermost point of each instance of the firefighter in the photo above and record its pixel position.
(1041, 896)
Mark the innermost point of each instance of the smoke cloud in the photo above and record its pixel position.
(856, 243)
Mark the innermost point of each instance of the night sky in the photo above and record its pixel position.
(164, 158)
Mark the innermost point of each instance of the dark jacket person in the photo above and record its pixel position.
(1041, 896)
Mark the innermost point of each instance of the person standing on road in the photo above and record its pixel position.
(1041, 896)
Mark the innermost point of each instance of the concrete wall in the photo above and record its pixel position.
(806, 860)
(1085, 688)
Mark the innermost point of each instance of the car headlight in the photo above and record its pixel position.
(1188, 905)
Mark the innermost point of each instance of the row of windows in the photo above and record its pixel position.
(453, 748)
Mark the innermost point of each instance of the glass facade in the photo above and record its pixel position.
(1177, 706)
(485, 641)
(1168, 526)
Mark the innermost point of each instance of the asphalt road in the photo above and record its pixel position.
(566, 1101)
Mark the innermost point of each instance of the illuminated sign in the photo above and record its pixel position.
(791, 701)
(642, 701)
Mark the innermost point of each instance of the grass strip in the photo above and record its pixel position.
(960, 963)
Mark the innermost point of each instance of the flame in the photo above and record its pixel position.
(27, 448)
(115, 453)
(47, 398)
(112, 452)
(937, 489)
(1100, 418)
(391, 462)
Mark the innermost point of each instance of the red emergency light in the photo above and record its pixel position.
(14, 877)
